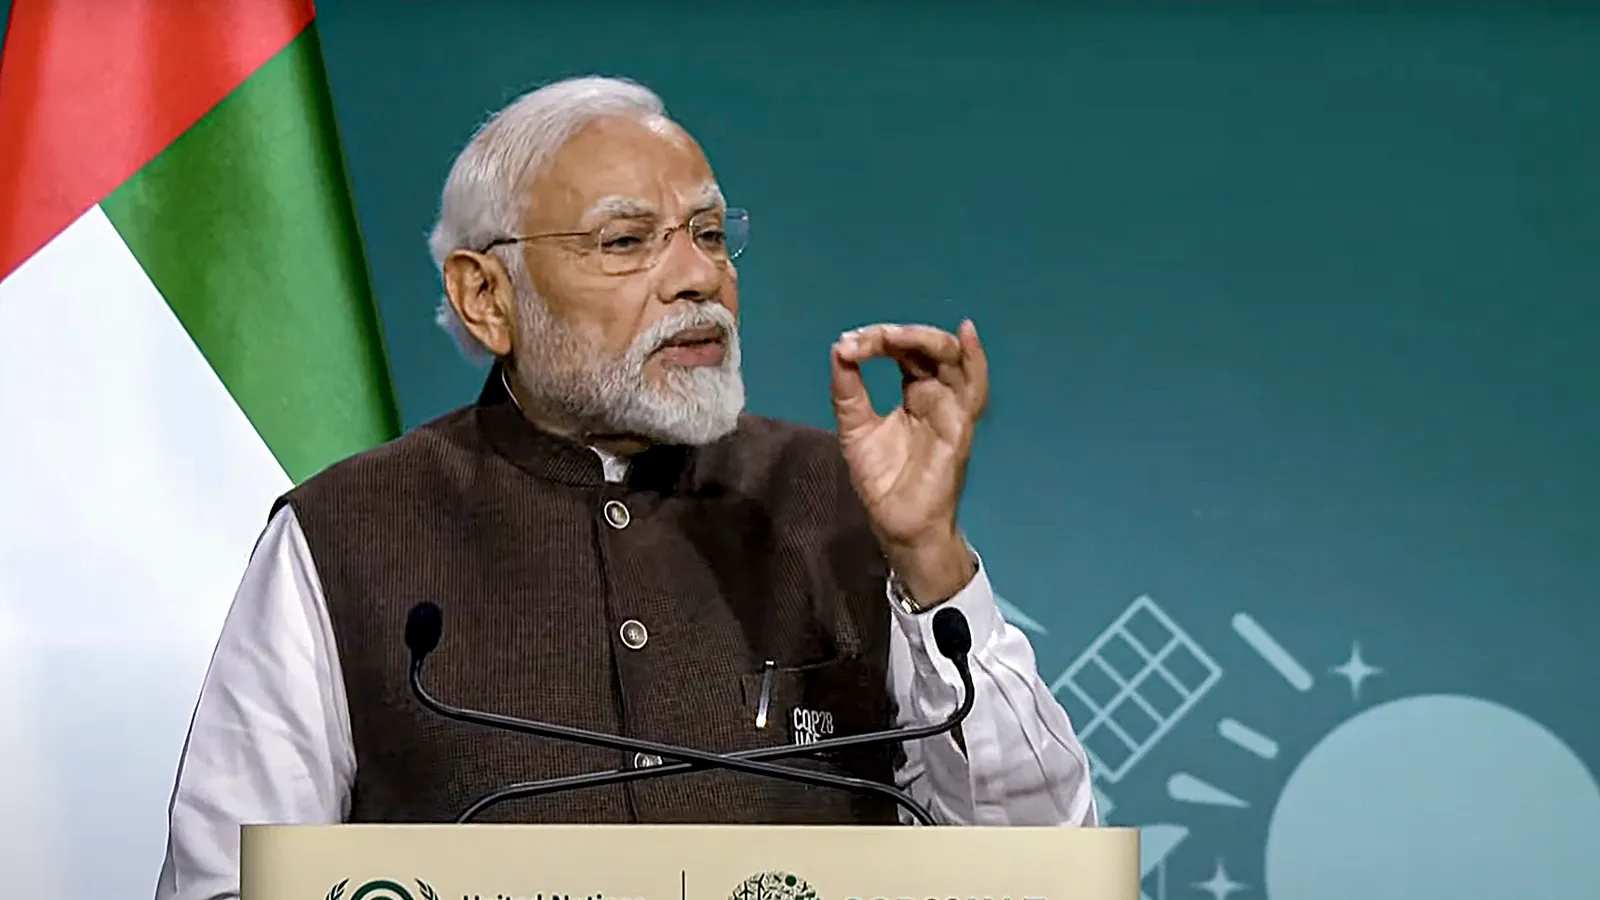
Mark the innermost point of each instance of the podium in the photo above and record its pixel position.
(686, 862)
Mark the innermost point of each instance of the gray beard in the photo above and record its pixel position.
(560, 374)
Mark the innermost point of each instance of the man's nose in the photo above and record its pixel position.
(688, 272)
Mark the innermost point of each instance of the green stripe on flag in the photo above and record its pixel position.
(246, 225)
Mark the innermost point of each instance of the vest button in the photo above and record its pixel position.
(617, 515)
(645, 760)
(634, 635)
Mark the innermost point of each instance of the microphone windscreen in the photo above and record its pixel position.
(951, 633)
(424, 626)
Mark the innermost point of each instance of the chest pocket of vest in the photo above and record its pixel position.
(810, 703)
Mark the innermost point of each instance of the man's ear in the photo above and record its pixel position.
(480, 290)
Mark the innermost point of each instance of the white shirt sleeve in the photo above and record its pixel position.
(1022, 765)
(270, 739)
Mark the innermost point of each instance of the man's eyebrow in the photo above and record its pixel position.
(617, 205)
(710, 197)
(623, 206)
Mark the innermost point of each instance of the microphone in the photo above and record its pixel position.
(425, 626)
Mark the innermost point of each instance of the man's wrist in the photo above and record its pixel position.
(922, 577)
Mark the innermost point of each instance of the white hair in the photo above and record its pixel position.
(485, 194)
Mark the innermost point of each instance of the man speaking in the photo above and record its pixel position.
(615, 545)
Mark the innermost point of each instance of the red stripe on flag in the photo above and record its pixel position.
(91, 90)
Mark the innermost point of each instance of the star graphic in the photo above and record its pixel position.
(1356, 671)
(1220, 887)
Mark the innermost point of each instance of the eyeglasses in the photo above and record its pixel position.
(627, 245)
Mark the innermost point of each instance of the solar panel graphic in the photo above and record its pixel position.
(1138, 679)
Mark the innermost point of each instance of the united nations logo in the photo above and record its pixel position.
(773, 886)
(383, 890)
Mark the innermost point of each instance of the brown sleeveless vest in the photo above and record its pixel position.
(751, 549)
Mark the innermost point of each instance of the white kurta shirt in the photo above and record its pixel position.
(270, 741)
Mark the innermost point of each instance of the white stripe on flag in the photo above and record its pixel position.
(134, 488)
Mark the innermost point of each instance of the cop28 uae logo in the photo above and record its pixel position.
(381, 889)
(773, 886)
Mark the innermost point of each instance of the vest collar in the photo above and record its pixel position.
(555, 458)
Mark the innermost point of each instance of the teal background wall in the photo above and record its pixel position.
(1292, 320)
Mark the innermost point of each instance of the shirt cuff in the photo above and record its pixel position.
(975, 601)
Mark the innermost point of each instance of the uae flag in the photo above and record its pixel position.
(186, 329)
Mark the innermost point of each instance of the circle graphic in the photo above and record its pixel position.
(1436, 796)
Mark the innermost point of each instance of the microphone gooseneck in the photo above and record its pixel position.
(428, 628)
(954, 640)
